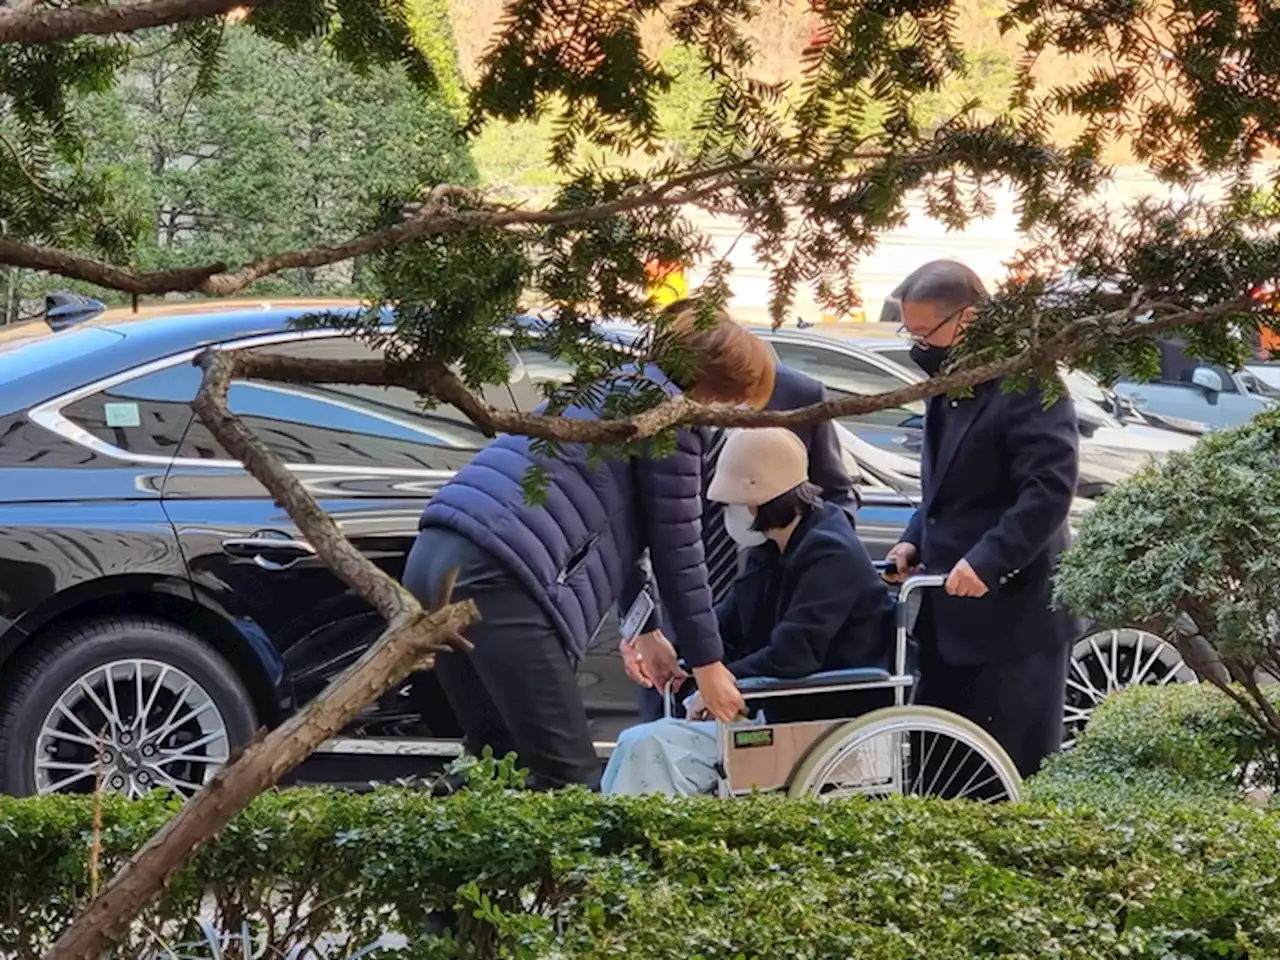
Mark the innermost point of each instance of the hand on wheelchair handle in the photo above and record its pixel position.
(901, 562)
(963, 581)
(633, 665)
(651, 661)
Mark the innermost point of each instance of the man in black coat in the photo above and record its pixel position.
(998, 477)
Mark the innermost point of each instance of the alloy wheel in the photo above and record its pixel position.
(1115, 660)
(132, 726)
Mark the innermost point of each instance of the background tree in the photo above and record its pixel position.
(274, 147)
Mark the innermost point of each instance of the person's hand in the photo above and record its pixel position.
(657, 660)
(633, 665)
(905, 559)
(963, 581)
(718, 691)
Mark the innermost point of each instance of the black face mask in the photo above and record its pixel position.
(929, 358)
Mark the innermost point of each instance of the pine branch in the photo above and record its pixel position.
(436, 380)
(46, 25)
(435, 217)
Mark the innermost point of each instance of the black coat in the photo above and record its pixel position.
(820, 605)
(998, 478)
(793, 390)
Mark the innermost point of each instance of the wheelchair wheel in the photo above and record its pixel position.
(915, 751)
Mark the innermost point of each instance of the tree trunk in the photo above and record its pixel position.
(412, 639)
(398, 652)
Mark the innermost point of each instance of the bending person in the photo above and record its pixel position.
(808, 600)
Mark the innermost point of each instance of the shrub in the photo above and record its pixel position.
(1190, 550)
(579, 876)
(1180, 743)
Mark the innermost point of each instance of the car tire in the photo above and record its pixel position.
(195, 710)
(1102, 663)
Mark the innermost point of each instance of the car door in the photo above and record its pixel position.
(1186, 402)
(372, 457)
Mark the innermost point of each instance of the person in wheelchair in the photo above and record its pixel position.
(808, 600)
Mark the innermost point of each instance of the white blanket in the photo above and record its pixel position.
(672, 757)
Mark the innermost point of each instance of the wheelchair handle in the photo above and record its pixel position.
(668, 696)
(912, 584)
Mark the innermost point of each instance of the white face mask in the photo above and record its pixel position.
(737, 523)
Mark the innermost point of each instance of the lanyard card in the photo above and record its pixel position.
(637, 616)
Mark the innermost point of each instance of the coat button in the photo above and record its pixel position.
(1004, 580)
(933, 521)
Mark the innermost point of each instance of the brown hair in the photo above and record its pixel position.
(735, 366)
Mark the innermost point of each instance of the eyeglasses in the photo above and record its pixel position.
(919, 340)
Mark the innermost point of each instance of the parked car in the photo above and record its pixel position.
(1188, 389)
(1195, 390)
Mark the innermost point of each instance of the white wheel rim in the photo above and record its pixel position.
(1115, 660)
(984, 777)
(131, 725)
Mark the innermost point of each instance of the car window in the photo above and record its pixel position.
(537, 368)
(899, 355)
(543, 368)
(846, 375)
(146, 415)
(1177, 367)
(342, 424)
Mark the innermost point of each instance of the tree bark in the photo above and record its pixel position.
(410, 642)
(438, 381)
(53, 24)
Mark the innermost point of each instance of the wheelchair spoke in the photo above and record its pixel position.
(968, 765)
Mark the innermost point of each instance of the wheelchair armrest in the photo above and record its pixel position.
(815, 682)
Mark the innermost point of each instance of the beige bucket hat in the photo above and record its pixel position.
(758, 465)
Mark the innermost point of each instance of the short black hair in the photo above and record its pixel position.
(948, 283)
(799, 501)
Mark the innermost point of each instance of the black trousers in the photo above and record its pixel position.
(517, 691)
(1019, 703)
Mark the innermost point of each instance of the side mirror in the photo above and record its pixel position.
(1209, 381)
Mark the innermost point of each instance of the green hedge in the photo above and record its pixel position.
(1172, 743)
(580, 876)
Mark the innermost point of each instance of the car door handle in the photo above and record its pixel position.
(268, 552)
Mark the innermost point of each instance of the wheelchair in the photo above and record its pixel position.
(903, 749)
